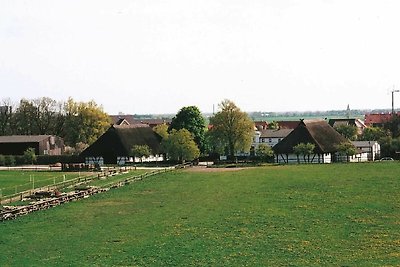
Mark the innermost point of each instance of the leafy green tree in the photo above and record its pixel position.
(180, 145)
(84, 122)
(191, 119)
(348, 131)
(24, 120)
(346, 148)
(9, 160)
(29, 156)
(264, 152)
(162, 130)
(390, 147)
(305, 149)
(393, 125)
(232, 130)
(373, 134)
(37, 116)
(140, 151)
(273, 125)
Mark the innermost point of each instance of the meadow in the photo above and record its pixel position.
(300, 215)
(13, 181)
(16, 181)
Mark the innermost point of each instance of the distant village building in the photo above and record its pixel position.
(366, 151)
(131, 120)
(114, 146)
(378, 119)
(43, 144)
(270, 137)
(359, 124)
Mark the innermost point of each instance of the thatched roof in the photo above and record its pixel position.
(318, 132)
(118, 140)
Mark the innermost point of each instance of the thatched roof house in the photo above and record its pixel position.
(317, 132)
(118, 140)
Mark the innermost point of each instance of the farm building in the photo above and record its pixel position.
(368, 151)
(131, 120)
(43, 144)
(378, 119)
(270, 137)
(114, 146)
(317, 132)
(359, 124)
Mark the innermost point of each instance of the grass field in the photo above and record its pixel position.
(11, 181)
(303, 215)
(18, 181)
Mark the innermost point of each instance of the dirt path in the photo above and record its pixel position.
(205, 169)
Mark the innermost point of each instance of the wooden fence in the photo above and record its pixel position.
(12, 212)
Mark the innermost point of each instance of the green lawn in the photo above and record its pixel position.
(307, 215)
(10, 181)
(18, 181)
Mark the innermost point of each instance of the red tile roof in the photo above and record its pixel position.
(378, 118)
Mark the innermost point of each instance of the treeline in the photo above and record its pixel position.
(78, 123)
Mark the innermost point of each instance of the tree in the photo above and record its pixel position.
(180, 145)
(37, 116)
(140, 151)
(264, 152)
(348, 131)
(393, 125)
(161, 130)
(346, 148)
(373, 134)
(6, 114)
(304, 149)
(191, 119)
(29, 156)
(273, 125)
(232, 130)
(24, 118)
(84, 122)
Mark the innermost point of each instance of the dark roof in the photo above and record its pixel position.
(23, 138)
(117, 119)
(348, 122)
(288, 124)
(318, 132)
(118, 140)
(276, 133)
(130, 119)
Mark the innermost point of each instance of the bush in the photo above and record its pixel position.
(2, 160)
(29, 156)
(9, 160)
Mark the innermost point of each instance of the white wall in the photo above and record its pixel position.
(292, 159)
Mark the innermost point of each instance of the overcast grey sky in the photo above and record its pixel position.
(155, 56)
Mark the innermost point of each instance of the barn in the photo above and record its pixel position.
(317, 132)
(114, 146)
(43, 144)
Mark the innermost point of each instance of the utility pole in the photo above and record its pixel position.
(393, 91)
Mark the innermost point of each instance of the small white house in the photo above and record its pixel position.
(368, 151)
(270, 137)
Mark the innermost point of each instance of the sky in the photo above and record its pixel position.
(157, 56)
